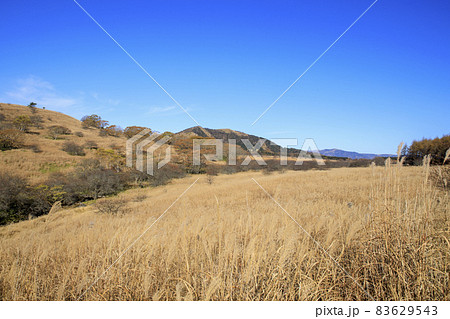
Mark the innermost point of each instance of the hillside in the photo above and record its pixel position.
(42, 154)
(226, 134)
(267, 149)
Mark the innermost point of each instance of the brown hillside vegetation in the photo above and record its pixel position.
(227, 239)
(46, 149)
(41, 152)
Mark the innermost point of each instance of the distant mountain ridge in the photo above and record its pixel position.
(353, 155)
(268, 148)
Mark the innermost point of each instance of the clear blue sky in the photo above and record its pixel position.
(386, 81)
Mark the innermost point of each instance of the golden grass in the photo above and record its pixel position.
(229, 241)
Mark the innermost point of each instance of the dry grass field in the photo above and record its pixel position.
(226, 239)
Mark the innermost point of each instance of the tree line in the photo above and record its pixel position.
(436, 148)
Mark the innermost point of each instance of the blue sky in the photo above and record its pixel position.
(386, 80)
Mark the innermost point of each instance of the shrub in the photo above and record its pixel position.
(379, 161)
(13, 198)
(113, 130)
(99, 182)
(89, 181)
(94, 121)
(2, 117)
(163, 175)
(112, 159)
(79, 134)
(91, 145)
(73, 149)
(361, 162)
(42, 198)
(10, 139)
(22, 122)
(136, 177)
(110, 206)
(18, 200)
(56, 130)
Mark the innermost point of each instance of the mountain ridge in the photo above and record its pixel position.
(351, 154)
(269, 147)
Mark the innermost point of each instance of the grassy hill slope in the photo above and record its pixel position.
(41, 154)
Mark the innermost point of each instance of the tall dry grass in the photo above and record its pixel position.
(387, 226)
